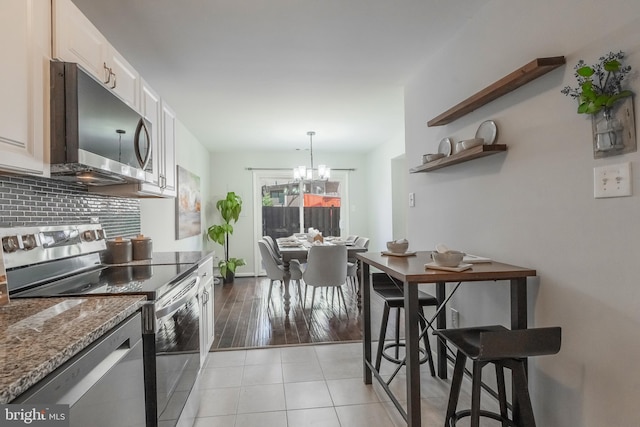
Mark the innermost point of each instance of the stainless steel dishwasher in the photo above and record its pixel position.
(103, 385)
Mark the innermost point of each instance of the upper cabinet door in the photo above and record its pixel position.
(76, 39)
(25, 40)
(169, 150)
(151, 109)
(125, 80)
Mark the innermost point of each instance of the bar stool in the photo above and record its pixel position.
(393, 297)
(505, 349)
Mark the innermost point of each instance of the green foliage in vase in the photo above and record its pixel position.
(599, 85)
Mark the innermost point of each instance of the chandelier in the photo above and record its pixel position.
(301, 173)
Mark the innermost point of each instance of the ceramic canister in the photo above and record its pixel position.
(142, 247)
(119, 250)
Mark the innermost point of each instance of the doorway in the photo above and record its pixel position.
(285, 207)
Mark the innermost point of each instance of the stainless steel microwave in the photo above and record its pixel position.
(96, 138)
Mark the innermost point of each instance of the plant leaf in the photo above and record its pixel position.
(617, 97)
(582, 108)
(601, 100)
(612, 66)
(592, 108)
(585, 71)
(587, 91)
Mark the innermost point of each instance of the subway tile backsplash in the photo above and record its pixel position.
(27, 201)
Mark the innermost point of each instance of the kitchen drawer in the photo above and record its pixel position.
(205, 268)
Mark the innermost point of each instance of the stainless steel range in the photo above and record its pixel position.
(66, 260)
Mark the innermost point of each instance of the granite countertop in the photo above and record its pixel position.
(40, 334)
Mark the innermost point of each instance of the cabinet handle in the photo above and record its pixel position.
(141, 131)
(108, 72)
(115, 79)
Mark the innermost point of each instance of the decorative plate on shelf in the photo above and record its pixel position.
(488, 130)
(445, 146)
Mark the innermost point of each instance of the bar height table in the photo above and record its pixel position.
(411, 271)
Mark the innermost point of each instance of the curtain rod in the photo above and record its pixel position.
(288, 169)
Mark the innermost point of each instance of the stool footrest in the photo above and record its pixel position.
(402, 361)
(488, 414)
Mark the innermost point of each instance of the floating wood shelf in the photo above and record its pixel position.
(521, 76)
(461, 157)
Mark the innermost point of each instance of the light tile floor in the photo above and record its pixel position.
(310, 385)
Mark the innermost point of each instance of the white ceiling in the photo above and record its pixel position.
(259, 74)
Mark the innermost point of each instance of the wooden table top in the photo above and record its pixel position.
(412, 269)
(292, 252)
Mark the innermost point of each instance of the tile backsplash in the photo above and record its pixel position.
(31, 201)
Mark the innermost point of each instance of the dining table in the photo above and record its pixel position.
(411, 271)
(298, 249)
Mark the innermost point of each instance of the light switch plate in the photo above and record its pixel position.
(612, 180)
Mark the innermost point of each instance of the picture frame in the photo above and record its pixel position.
(188, 204)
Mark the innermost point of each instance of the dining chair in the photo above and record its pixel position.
(326, 267)
(274, 247)
(352, 264)
(275, 271)
(295, 266)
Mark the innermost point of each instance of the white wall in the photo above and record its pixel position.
(229, 173)
(157, 216)
(533, 206)
(380, 191)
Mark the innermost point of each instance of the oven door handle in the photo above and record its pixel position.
(173, 306)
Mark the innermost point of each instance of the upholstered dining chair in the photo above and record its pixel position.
(274, 247)
(275, 271)
(295, 266)
(352, 265)
(326, 267)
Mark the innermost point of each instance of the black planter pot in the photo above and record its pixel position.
(229, 277)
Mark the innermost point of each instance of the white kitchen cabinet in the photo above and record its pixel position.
(151, 108)
(205, 271)
(25, 40)
(168, 150)
(125, 80)
(76, 39)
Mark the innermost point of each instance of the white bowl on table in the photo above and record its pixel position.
(447, 259)
(398, 247)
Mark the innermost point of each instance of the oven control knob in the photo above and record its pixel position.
(10, 244)
(29, 241)
(88, 236)
(99, 234)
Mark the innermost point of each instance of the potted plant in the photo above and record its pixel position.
(599, 89)
(600, 85)
(229, 208)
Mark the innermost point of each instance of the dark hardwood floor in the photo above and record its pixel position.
(244, 318)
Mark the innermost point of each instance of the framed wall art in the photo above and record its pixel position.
(188, 205)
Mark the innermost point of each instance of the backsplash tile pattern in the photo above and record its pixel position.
(29, 201)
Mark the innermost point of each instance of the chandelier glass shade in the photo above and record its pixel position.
(302, 173)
